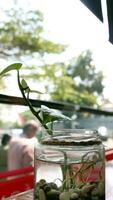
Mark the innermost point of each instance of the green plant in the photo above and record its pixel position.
(70, 188)
(44, 114)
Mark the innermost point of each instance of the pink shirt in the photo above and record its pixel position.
(20, 153)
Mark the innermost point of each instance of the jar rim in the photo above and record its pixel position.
(68, 130)
(72, 137)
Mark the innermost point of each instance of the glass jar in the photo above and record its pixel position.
(70, 165)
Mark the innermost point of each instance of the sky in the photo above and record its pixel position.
(70, 22)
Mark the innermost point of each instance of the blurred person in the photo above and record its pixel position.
(3, 151)
(30, 131)
(5, 140)
(21, 150)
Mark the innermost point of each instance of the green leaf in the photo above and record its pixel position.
(15, 66)
(48, 115)
(26, 87)
(45, 109)
(24, 84)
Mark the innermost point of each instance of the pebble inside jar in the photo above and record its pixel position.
(70, 166)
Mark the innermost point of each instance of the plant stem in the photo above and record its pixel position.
(90, 165)
(30, 105)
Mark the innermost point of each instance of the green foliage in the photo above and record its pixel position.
(22, 34)
(44, 114)
(64, 89)
(15, 66)
(83, 68)
(49, 115)
(78, 82)
(22, 37)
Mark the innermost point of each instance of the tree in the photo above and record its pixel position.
(83, 70)
(78, 82)
(22, 34)
(23, 38)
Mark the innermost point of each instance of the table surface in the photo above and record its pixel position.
(28, 195)
(109, 180)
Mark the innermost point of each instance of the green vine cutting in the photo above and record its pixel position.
(44, 114)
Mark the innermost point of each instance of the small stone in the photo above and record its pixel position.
(71, 190)
(53, 194)
(87, 188)
(74, 196)
(95, 192)
(77, 190)
(64, 196)
(101, 188)
(42, 181)
(47, 188)
(95, 198)
(42, 195)
(53, 185)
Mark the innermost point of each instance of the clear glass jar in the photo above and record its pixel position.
(69, 166)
